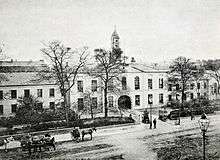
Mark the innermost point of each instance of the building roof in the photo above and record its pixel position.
(137, 67)
(23, 78)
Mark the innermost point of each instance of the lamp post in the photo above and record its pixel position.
(204, 124)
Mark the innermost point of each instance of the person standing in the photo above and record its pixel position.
(155, 122)
(150, 124)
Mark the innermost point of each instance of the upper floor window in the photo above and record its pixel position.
(177, 87)
(94, 102)
(192, 86)
(215, 87)
(137, 100)
(94, 85)
(150, 84)
(205, 85)
(26, 93)
(169, 97)
(1, 109)
(52, 92)
(198, 85)
(1, 95)
(137, 82)
(124, 83)
(191, 95)
(80, 104)
(161, 83)
(110, 101)
(150, 98)
(13, 108)
(39, 92)
(80, 86)
(13, 94)
(161, 98)
(169, 87)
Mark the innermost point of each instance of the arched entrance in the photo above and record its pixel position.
(124, 102)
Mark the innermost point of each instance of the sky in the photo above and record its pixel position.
(149, 30)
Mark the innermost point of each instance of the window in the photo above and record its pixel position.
(205, 85)
(198, 95)
(161, 98)
(80, 104)
(13, 94)
(161, 83)
(150, 98)
(177, 87)
(215, 88)
(150, 84)
(198, 85)
(52, 105)
(177, 97)
(1, 95)
(80, 86)
(137, 100)
(13, 108)
(26, 93)
(110, 85)
(124, 83)
(191, 95)
(169, 97)
(192, 86)
(205, 94)
(184, 96)
(110, 101)
(137, 83)
(94, 102)
(39, 92)
(94, 85)
(40, 106)
(52, 93)
(169, 87)
(1, 109)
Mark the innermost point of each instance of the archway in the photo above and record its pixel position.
(124, 102)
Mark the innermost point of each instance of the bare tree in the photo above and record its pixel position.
(109, 65)
(180, 75)
(65, 65)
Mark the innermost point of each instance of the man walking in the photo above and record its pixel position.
(155, 123)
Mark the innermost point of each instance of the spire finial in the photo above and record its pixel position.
(115, 27)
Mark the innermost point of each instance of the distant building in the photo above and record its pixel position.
(142, 86)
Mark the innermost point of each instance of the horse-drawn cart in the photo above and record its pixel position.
(37, 143)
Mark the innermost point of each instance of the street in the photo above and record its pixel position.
(127, 142)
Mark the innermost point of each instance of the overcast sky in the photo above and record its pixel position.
(150, 30)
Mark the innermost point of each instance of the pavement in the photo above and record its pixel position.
(162, 128)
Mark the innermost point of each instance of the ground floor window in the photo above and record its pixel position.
(94, 102)
(1, 109)
(110, 101)
(13, 108)
(80, 104)
(52, 105)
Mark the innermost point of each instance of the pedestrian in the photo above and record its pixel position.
(155, 122)
(150, 124)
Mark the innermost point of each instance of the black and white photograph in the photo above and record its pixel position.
(109, 80)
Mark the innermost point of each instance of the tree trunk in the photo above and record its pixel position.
(106, 100)
(91, 111)
(66, 108)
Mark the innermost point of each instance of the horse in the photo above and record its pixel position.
(87, 131)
